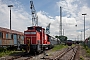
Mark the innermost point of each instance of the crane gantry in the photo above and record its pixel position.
(48, 28)
(34, 15)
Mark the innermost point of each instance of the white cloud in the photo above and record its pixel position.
(73, 15)
(44, 21)
(74, 11)
(19, 18)
(68, 23)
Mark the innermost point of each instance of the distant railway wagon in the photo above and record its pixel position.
(69, 42)
(10, 37)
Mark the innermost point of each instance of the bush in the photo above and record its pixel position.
(87, 50)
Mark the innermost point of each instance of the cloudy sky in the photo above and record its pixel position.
(48, 11)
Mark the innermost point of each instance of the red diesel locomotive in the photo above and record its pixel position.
(36, 39)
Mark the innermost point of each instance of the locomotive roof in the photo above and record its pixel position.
(10, 31)
(35, 27)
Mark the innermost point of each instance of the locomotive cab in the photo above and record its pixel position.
(36, 35)
(36, 39)
(31, 34)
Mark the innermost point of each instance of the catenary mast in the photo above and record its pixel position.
(60, 30)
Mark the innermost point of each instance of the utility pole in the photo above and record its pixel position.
(84, 25)
(10, 14)
(76, 31)
(63, 32)
(60, 31)
(81, 35)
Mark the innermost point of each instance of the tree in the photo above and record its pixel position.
(62, 38)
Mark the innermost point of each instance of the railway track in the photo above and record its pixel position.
(24, 56)
(70, 54)
(21, 56)
(67, 54)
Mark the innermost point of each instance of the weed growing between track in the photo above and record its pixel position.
(59, 47)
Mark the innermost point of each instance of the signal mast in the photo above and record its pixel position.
(34, 15)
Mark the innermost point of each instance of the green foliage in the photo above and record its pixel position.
(58, 47)
(62, 38)
(2, 49)
(56, 36)
(87, 50)
(5, 51)
(81, 58)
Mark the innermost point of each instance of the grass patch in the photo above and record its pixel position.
(6, 51)
(81, 58)
(87, 51)
(59, 47)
